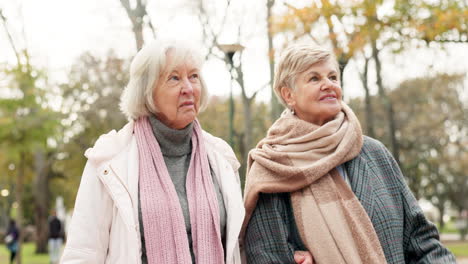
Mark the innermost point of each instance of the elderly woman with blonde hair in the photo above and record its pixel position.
(315, 183)
(161, 190)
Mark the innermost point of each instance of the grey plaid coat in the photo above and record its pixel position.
(405, 234)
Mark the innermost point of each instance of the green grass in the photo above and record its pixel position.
(449, 227)
(459, 249)
(28, 255)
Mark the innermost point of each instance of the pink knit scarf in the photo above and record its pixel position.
(166, 238)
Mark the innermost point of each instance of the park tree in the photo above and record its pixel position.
(432, 21)
(275, 105)
(213, 23)
(427, 110)
(28, 124)
(137, 12)
(352, 27)
(213, 121)
(91, 99)
(348, 27)
(458, 168)
(6, 189)
(431, 118)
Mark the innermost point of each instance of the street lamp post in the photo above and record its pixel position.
(229, 50)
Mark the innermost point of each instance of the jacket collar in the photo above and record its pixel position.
(109, 145)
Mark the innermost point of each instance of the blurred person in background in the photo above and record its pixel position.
(316, 184)
(12, 239)
(55, 238)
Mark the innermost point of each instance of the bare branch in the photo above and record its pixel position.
(12, 43)
(314, 39)
(143, 13)
(266, 85)
(223, 22)
(136, 16)
(150, 24)
(126, 5)
(208, 31)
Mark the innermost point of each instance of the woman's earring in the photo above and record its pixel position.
(292, 111)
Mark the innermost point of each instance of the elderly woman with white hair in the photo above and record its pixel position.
(160, 190)
(315, 183)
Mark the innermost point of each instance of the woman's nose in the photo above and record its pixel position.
(187, 87)
(327, 84)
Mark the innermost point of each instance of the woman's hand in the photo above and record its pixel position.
(303, 257)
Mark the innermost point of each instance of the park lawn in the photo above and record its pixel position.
(459, 248)
(449, 228)
(28, 255)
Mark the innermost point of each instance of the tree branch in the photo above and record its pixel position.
(12, 43)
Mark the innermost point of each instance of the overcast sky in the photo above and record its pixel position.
(58, 31)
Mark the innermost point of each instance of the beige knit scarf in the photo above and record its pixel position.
(300, 158)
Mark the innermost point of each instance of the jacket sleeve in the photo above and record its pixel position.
(271, 235)
(421, 238)
(88, 236)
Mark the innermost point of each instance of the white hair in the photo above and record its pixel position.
(151, 63)
(296, 59)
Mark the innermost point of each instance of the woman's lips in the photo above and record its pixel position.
(328, 97)
(187, 103)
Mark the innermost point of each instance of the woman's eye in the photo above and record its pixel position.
(314, 78)
(173, 78)
(194, 76)
(334, 78)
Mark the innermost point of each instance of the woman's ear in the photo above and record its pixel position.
(288, 95)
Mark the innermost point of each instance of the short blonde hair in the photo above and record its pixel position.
(149, 65)
(296, 59)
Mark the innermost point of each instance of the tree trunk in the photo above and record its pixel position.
(19, 200)
(138, 32)
(393, 129)
(463, 230)
(136, 16)
(247, 106)
(275, 105)
(441, 208)
(342, 63)
(387, 104)
(41, 200)
(368, 104)
(248, 129)
(243, 152)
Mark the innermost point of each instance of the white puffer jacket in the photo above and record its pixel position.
(104, 227)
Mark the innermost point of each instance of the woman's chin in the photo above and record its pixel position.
(186, 120)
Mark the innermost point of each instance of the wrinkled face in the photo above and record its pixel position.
(177, 95)
(317, 96)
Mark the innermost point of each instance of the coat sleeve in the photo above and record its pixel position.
(421, 238)
(271, 235)
(88, 236)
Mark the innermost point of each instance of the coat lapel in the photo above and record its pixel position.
(114, 177)
(361, 178)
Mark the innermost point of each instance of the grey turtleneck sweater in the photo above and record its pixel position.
(176, 148)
